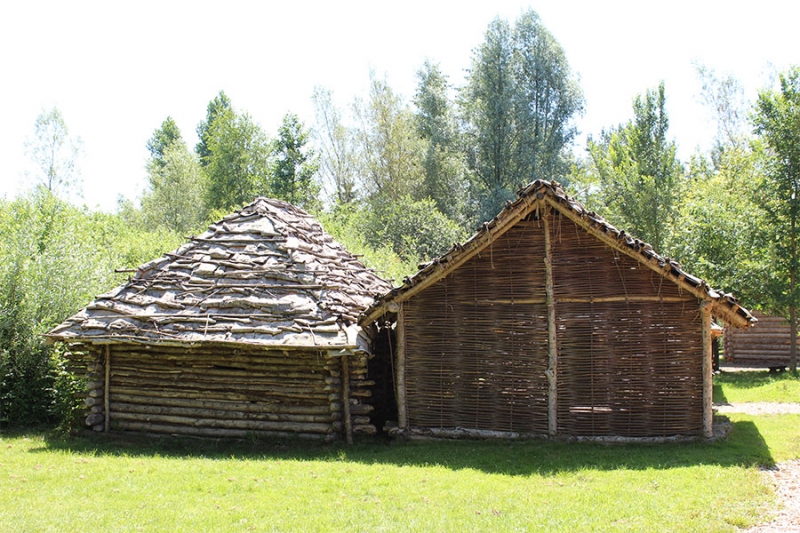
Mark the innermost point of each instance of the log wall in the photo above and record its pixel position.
(628, 342)
(216, 391)
(764, 345)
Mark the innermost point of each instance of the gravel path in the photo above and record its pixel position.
(785, 476)
(758, 408)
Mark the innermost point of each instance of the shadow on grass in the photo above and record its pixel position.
(744, 447)
(719, 392)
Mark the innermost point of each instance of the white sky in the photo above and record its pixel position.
(116, 70)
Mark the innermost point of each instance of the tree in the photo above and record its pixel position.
(55, 154)
(777, 121)
(444, 168)
(176, 197)
(638, 170)
(338, 165)
(235, 153)
(295, 165)
(547, 99)
(518, 104)
(220, 105)
(389, 151)
(724, 97)
(162, 139)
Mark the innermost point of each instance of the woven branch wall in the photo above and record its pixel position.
(473, 360)
(477, 342)
(628, 368)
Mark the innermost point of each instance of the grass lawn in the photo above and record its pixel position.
(99, 484)
(757, 386)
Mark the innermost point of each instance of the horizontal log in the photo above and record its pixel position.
(759, 353)
(223, 405)
(361, 409)
(215, 375)
(120, 407)
(262, 396)
(195, 379)
(299, 427)
(157, 361)
(215, 432)
(365, 429)
(260, 387)
(94, 419)
(206, 350)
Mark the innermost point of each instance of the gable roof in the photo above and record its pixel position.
(541, 194)
(265, 275)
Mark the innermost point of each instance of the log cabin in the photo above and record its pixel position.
(248, 329)
(549, 321)
(768, 345)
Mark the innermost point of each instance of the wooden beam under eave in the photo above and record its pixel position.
(348, 421)
(400, 392)
(552, 333)
(708, 387)
(107, 391)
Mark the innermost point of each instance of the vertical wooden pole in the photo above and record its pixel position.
(552, 367)
(708, 387)
(107, 391)
(400, 335)
(348, 421)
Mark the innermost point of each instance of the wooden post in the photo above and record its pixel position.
(400, 336)
(552, 368)
(107, 391)
(348, 422)
(708, 387)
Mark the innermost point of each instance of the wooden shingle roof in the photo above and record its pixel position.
(538, 195)
(265, 275)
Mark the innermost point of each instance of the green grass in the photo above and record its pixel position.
(97, 484)
(760, 386)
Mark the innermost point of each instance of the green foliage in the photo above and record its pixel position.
(220, 105)
(295, 166)
(346, 222)
(518, 104)
(444, 165)
(162, 139)
(777, 120)
(336, 144)
(390, 152)
(720, 232)
(175, 199)
(54, 258)
(238, 163)
(638, 171)
(55, 154)
(413, 228)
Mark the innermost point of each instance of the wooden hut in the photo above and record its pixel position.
(249, 328)
(549, 321)
(765, 346)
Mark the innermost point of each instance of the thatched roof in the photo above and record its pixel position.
(539, 195)
(265, 275)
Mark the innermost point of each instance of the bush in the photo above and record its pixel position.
(54, 258)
